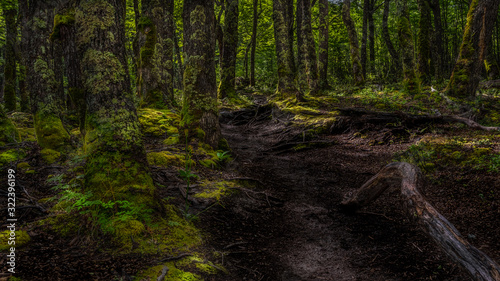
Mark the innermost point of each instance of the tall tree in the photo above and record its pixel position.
(229, 50)
(155, 70)
(479, 28)
(411, 81)
(387, 37)
(42, 83)
(323, 45)
(357, 71)
(424, 40)
(116, 168)
(254, 43)
(364, 35)
(309, 59)
(284, 51)
(9, 11)
(199, 111)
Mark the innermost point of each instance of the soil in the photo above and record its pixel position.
(288, 226)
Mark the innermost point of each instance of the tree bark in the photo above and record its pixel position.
(284, 52)
(479, 28)
(229, 50)
(438, 49)
(371, 36)
(41, 78)
(9, 83)
(323, 45)
(254, 43)
(155, 40)
(364, 36)
(357, 71)
(411, 81)
(475, 262)
(387, 37)
(116, 167)
(199, 112)
(424, 42)
(309, 48)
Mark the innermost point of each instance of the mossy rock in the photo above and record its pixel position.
(22, 238)
(166, 159)
(50, 132)
(158, 123)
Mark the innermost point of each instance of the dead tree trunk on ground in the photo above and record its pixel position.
(476, 263)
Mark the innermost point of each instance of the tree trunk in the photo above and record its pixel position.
(8, 132)
(411, 81)
(387, 37)
(9, 83)
(23, 18)
(229, 50)
(254, 43)
(65, 31)
(476, 263)
(438, 49)
(364, 36)
(424, 42)
(284, 52)
(199, 111)
(323, 45)
(357, 72)
(116, 167)
(479, 28)
(371, 36)
(155, 40)
(41, 79)
(180, 64)
(301, 49)
(309, 48)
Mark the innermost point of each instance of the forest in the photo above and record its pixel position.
(259, 140)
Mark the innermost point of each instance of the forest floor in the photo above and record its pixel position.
(279, 219)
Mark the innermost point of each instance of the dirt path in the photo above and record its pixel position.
(303, 236)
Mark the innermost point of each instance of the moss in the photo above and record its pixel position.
(67, 19)
(10, 156)
(22, 238)
(214, 190)
(94, 17)
(49, 155)
(224, 145)
(166, 159)
(172, 140)
(23, 166)
(174, 274)
(8, 132)
(158, 123)
(50, 132)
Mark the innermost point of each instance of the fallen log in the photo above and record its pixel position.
(361, 116)
(476, 263)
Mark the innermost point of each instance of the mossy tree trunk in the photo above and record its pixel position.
(357, 71)
(41, 79)
(8, 132)
(9, 11)
(65, 32)
(283, 20)
(301, 61)
(229, 50)
(254, 43)
(156, 46)
(364, 35)
(22, 60)
(116, 167)
(200, 110)
(323, 45)
(387, 37)
(424, 41)
(411, 81)
(479, 28)
(308, 49)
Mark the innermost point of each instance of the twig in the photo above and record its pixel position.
(164, 272)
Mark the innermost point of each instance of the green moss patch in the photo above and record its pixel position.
(166, 159)
(215, 190)
(50, 155)
(158, 123)
(9, 156)
(21, 238)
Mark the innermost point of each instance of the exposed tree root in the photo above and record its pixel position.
(476, 263)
